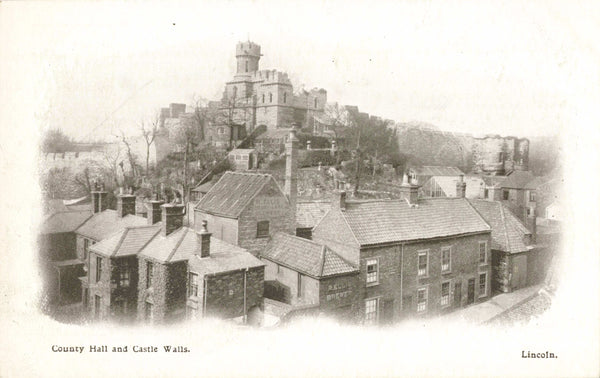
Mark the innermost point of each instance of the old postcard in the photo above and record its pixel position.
(317, 188)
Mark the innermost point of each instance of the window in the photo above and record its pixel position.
(149, 274)
(234, 92)
(270, 97)
(278, 268)
(263, 98)
(500, 156)
(98, 268)
(482, 284)
(262, 229)
(372, 272)
(86, 246)
(531, 196)
(221, 130)
(371, 310)
(445, 294)
(299, 285)
(482, 252)
(193, 285)
(284, 97)
(505, 195)
(124, 274)
(422, 299)
(315, 103)
(446, 257)
(486, 193)
(246, 66)
(423, 257)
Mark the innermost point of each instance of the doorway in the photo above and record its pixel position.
(471, 291)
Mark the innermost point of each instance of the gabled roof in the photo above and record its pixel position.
(233, 192)
(508, 233)
(182, 245)
(518, 180)
(309, 213)
(434, 170)
(388, 221)
(103, 224)
(204, 188)
(126, 242)
(64, 221)
(448, 185)
(305, 256)
(493, 181)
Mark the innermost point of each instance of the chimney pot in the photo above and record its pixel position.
(203, 240)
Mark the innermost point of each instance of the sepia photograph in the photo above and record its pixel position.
(317, 188)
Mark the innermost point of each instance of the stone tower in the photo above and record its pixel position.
(247, 55)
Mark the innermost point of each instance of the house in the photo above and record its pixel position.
(519, 193)
(516, 262)
(102, 224)
(424, 173)
(304, 273)
(492, 187)
(415, 256)
(58, 261)
(245, 209)
(199, 191)
(186, 272)
(308, 214)
(554, 211)
(243, 159)
(445, 186)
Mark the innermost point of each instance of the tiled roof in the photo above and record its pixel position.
(182, 245)
(305, 256)
(518, 180)
(508, 233)
(103, 224)
(493, 181)
(126, 242)
(64, 221)
(432, 170)
(204, 188)
(386, 221)
(309, 213)
(232, 193)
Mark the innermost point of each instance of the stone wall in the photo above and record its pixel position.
(167, 294)
(225, 292)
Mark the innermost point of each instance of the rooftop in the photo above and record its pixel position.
(308, 214)
(433, 170)
(508, 233)
(126, 242)
(306, 256)
(232, 193)
(64, 221)
(387, 221)
(103, 224)
(520, 180)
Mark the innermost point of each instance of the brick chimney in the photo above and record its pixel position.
(153, 207)
(203, 241)
(531, 223)
(461, 187)
(99, 198)
(291, 167)
(409, 191)
(339, 199)
(171, 217)
(125, 203)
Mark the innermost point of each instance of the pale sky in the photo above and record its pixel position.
(479, 67)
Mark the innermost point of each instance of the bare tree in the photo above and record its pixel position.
(338, 119)
(130, 156)
(149, 131)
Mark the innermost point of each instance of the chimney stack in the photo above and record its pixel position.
(339, 199)
(203, 240)
(461, 187)
(172, 217)
(291, 167)
(153, 207)
(409, 191)
(333, 150)
(125, 203)
(99, 198)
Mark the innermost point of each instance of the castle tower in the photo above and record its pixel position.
(247, 55)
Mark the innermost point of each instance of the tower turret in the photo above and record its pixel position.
(247, 55)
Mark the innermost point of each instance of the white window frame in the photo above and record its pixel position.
(368, 319)
(370, 262)
(485, 287)
(426, 272)
(485, 260)
(422, 306)
(449, 268)
(442, 294)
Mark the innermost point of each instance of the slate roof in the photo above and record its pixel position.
(232, 193)
(64, 221)
(432, 170)
(204, 188)
(386, 221)
(181, 245)
(508, 233)
(103, 224)
(305, 256)
(493, 181)
(518, 180)
(308, 214)
(126, 242)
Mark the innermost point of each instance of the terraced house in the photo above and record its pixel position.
(415, 257)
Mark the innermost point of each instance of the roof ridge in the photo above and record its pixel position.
(119, 243)
(184, 233)
(468, 201)
(322, 262)
(504, 227)
(148, 241)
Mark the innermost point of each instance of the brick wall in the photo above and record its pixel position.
(338, 297)
(225, 292)
(100, 288)
(287, 282)
(222, 228)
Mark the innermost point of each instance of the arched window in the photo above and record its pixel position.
(270, 97)
(284, 97)
(263, 98)
(315, 102)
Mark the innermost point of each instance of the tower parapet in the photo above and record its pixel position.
(247, 55)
